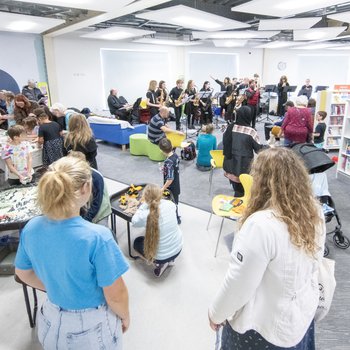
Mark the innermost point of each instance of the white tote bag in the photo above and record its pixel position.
(326, 283)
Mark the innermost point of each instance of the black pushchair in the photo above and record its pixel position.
(317, 162)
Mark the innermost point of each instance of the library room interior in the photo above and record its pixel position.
(175, 175)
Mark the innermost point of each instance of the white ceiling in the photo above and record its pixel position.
(283, 8)
(117, 33)
(237, 34)
(317, 33)
(288, 23)
(10, 22)
(342, 17)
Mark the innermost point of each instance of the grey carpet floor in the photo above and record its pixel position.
(331, 333)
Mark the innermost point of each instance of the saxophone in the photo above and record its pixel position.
(196, 100)
(178, 102)
(161, 98)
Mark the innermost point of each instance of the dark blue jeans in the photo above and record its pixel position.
(232, 340)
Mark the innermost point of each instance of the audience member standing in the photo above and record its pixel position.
(297, 126)
(320, 129)
(282, 95)
(50, 136)
(77, 263)
(270, 294)
(162, 242)
(253, 99)
(23, 108)
(80, 138)
(240, 141)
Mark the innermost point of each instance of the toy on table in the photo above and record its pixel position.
(133, 190)
(166, 194)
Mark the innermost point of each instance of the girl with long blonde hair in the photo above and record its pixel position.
(190, 108)
(270, 292)
(80, 138)
(78, 263)
(162, 242)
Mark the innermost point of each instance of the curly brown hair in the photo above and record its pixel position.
(152, 195)
(281, 183)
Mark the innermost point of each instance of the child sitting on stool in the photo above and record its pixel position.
(162, 242)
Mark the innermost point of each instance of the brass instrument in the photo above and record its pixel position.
(239, 101)
(196, 100)
(161, 101)
(230, 98)
(178, 102)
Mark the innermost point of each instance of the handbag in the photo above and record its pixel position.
(326, 284)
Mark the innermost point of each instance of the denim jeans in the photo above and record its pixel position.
(89, 329)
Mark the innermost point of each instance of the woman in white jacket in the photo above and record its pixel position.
(270, 293)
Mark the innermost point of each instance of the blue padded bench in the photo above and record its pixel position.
(114, 131)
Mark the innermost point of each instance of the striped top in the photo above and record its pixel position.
(154, 129)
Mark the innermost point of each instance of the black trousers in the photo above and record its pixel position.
(254, 111)
(139, 246)
(177, 111)
(237, 188)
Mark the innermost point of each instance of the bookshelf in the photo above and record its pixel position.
(343, 167)
(335, 104)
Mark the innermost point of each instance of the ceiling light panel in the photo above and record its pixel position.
(11, 22)
(288, 23)
(230, 43)
(314, 46)
(117, 33)
(342, 17)
(247, 34)
(188, 17)
(166, 42)
(317, 33)
(276, 45)
(96, 5)
(283, 8)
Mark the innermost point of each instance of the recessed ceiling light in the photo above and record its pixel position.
(166, 42)
(230, 43)
(27, 24)
(117, 33)
(191, 18)
(21, 26)
(247, 34)
(317, 33)
(283, 8)
(288, 23)
(275, 45)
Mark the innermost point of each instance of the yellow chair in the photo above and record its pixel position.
(217, 161)
(236, 212)
(175, 139)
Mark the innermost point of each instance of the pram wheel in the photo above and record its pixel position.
(341, 241)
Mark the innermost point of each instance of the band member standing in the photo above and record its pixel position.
(175, 95)
(190, 108)
(162, 93)
(230, 102)
(205, 105)
(151, 96)
(253, 97)
(282, 96)
(223, 86)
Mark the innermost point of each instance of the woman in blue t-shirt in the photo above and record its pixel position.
(76, 262)
(205, 143)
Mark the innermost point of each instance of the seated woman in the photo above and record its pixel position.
(162, 242)
(205, 143)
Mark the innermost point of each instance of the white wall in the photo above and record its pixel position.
(22, 57)
(330, 67)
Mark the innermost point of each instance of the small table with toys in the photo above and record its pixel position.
(125, 203)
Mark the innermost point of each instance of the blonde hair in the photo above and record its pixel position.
(152, 85)
(58, 188)
(59, 107)
(152, 195)
(281, 183)
(209, 128)
(189, 83)
(79, 131)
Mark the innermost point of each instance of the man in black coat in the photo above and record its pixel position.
(118, 106)
(31, 91)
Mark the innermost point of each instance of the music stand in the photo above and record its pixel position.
(321, 88)
(266, 118)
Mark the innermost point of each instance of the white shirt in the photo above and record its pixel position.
(170, 236)
(271, 286)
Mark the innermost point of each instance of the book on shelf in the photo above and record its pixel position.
(347, 148)
(347, 165)
(331, 141)
(337, 109)
(336, 120)
(334, 130)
